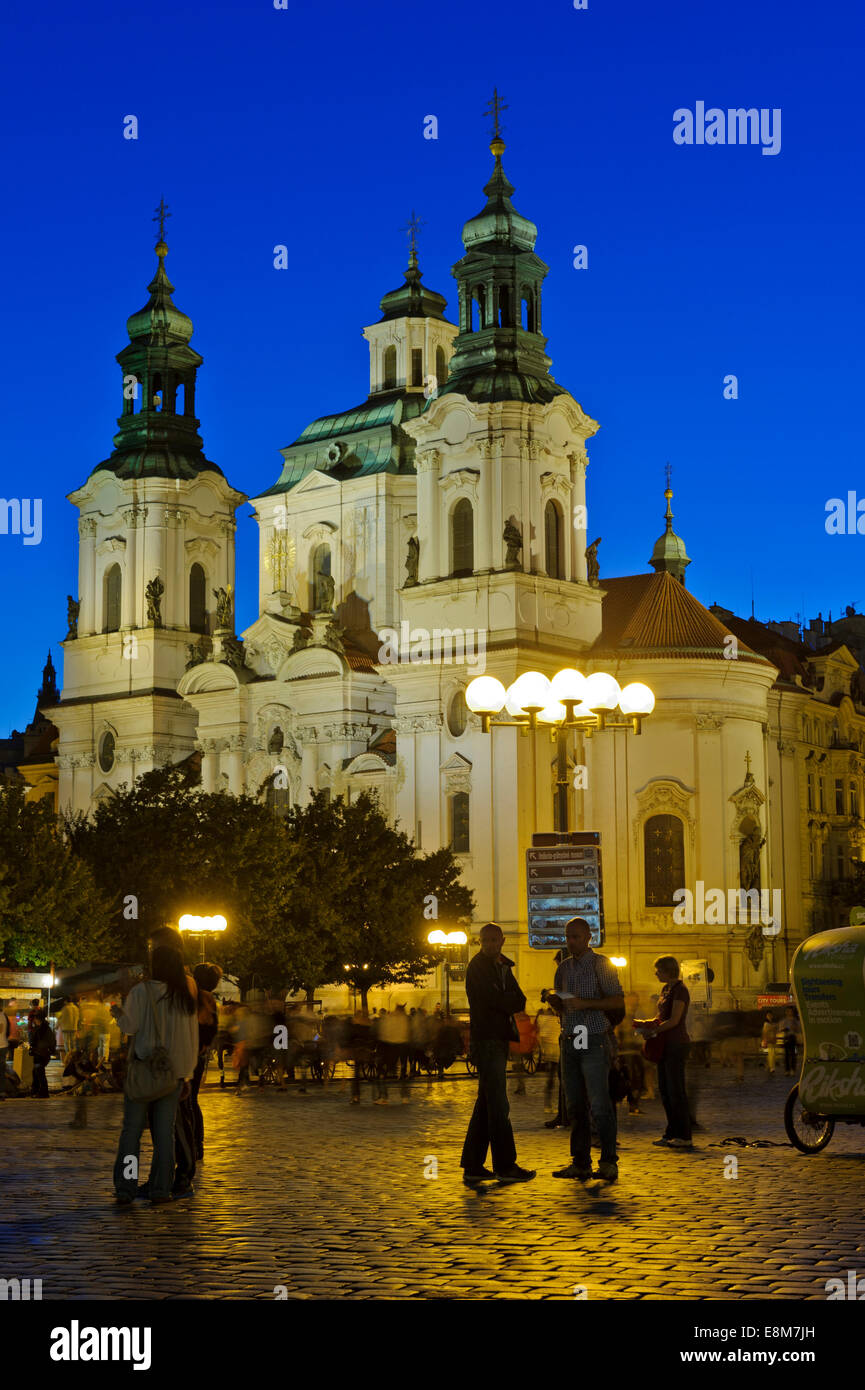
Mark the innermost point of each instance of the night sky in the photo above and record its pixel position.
(305, 127)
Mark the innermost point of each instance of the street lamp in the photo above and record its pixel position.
(447, 940)
(201, 927)
(569, 701)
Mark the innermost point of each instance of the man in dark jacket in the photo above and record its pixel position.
(494, 997)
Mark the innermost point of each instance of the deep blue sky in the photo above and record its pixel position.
(262, 126)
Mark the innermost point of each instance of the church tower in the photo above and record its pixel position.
(156, 548)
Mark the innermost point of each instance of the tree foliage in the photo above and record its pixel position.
(50, 907)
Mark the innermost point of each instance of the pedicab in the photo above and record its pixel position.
(828, 978)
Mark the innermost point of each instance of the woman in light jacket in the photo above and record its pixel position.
(174, 1003)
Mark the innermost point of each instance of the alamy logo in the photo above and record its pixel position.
(714, 908)
(21, 517)
(18, 1290)
(855, 1290)
(77, 1343)
(733, 127)
(419, 645)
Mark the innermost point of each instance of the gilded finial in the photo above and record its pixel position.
(668, 493)
(494, 109)
(161, 214)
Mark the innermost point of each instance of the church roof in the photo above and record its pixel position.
(654, 614)
(354, 443)
(412, 299)
(790, 657)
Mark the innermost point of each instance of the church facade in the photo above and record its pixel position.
(435, 532)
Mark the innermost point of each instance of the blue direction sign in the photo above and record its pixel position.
(564, 880)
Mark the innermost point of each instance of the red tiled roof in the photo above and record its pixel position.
(645, 613)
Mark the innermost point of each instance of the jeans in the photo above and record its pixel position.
(40, 1081)
(162, 1115)
(585, 1077)
(489, 1126)
(671, 1085)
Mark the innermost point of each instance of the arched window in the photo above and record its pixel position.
(106, 751)
(111, 599)
(527, 307)
(458, 714)
(441, 366)
(197, 599)
(389, 382)
(180, 399)
(459, 822)
(854, 800)
(664, 847)
(156, 392)
(463, 538)
(417, 366)
(481, 296)
(319, 576)
(504, 307)
(470, 312)
(553, 548)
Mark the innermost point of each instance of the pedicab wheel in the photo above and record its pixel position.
(532, 1060)
(471, 1067)
(808, 1132)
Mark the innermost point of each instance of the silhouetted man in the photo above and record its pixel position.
(494, 997)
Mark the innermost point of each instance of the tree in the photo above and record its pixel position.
(164, 847)
(50, 907)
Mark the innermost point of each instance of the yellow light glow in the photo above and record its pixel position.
(485, 695)
(568, 684)
(637, 698)
(553, 714)
(602, 691)
(618, 961)
(450, 938)
(189, 922)
(530, 691)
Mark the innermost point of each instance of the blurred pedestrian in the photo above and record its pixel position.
(768, 1041)
(161, 1012)
(788, 1031)
(67, 1022)
(494, 997)
(207, 977)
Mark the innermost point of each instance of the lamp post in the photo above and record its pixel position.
(569, 701)
(202, 927)
(447, 940)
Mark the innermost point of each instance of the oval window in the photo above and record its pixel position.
(458, 714)
(106, 752)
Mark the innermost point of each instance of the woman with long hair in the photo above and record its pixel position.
(160, 1011)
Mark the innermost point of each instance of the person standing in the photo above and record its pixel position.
(43, 1045)
(494, 997)
(67, 1022)
(162, 1009)
(585, 986)
(768, 1039)
(669, 1024)
(787, 1037)
(4, 1049)
(207, 977)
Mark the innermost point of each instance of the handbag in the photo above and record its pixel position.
(150, 1078)
(653, 1048)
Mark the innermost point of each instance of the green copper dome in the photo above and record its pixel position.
(412, 300)
(499, 220)
(669, 553)
(158, 432)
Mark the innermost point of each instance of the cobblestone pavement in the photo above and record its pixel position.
(330, 1200)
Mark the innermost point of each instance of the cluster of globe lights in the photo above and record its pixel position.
(570, 698)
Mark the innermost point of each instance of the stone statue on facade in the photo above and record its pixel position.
(749, 858)
(196, 652)
(325, 590)
(223, 608)
(513, 539)
(153, 591)
(412, 560)
(593, 566)
(73, 608)
(302, 639)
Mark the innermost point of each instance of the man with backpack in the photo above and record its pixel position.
(590, 1002)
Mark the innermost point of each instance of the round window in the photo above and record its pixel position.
(106, 752)
(458, 714)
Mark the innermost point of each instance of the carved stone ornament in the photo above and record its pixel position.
(466, 478)
(136, 515)
(73, 608)
(111, 543)
(555, 485)
(418, 723)
(710, 723)
(426, 460)
(786, 748)
(199, 545)
(87, 526)
(748, 801)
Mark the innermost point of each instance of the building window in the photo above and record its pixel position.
(839, 797)
(111, 599)
(389, 368)
(812, 860)
(106, 751)
(458, 714)
(553, 549)
(319, 579)
(821, 791)
(197, 599)
(854, 801)
(441, 366)
(810, 791)
(664, 848)
(417, 366)
(463, 538)
(459, 819)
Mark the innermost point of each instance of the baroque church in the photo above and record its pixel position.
(452, 500)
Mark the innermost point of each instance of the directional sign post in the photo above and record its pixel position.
(564, 880)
